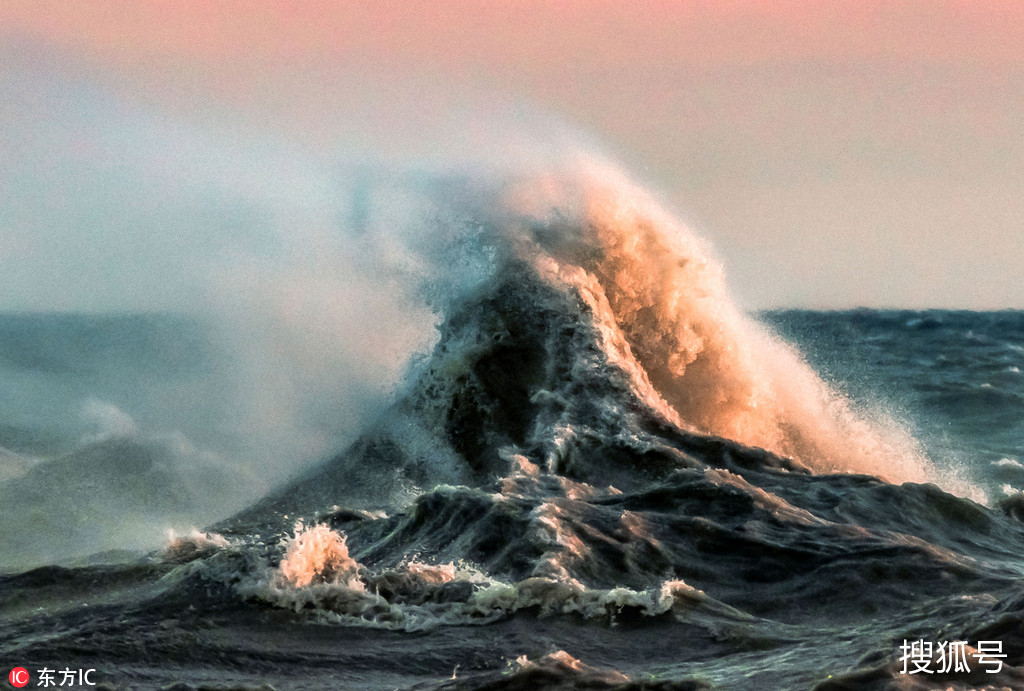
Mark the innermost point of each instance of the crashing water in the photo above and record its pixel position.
(601, 473)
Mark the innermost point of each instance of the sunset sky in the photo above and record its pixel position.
(835, 154)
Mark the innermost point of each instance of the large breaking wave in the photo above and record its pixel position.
(598, 437)
(661, 316)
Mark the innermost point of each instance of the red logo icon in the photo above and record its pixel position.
(18, 677)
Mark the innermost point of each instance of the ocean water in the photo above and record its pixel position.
(600, 474)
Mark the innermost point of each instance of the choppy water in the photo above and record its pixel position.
(955, 376)
(603, 475)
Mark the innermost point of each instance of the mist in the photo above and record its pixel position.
(290, 320)
(285, 290)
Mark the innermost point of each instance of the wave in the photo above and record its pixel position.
(598, 442)
(590, 314)
(117, 492)
(661, 302)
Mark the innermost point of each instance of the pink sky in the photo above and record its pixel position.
(531, 35)
(836, 153)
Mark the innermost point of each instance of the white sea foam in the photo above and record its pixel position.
(193, 545)
(1008, 463)
(14, 464)
(317, 575)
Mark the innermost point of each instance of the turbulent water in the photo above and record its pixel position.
(601, 475)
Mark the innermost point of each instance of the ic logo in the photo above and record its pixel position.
(18, 677)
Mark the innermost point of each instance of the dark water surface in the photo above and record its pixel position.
(523, 516)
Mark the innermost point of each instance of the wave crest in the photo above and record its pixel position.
(660, 304)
